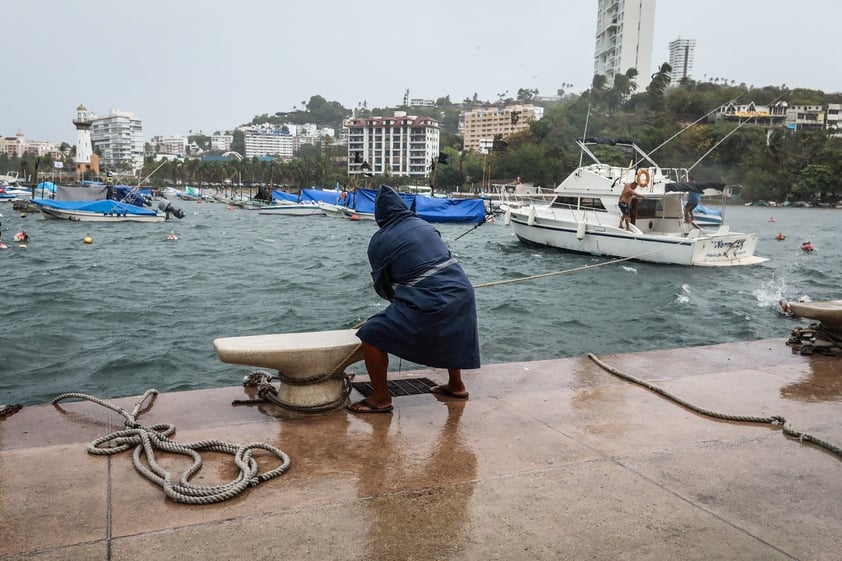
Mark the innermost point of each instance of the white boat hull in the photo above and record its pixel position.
(700, 249)
(292, 210)
(82, 216)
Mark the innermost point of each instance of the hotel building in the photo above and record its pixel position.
(402, 145)
(480, 125)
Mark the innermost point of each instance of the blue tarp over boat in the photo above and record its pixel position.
(97, 207)
(431, 209)
(278, 195)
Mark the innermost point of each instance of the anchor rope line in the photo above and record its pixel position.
(788, 429)
(575, 269)
(146, 440)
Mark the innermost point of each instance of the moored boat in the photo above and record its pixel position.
(584, 216)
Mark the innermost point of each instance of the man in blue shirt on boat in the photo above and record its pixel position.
(693, 200)
(432, 318)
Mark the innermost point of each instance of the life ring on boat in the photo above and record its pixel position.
(642, 177)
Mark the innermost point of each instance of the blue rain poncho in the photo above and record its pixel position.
(432, 318)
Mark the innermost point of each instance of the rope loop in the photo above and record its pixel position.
(146, 440)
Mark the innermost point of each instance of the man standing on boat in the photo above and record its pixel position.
(432, 318)
(626, 198)
(693, 200)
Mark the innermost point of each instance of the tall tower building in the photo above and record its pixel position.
(681, 58)
(624, 36)
(86, 161)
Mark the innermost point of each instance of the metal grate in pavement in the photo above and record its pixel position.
(405, 386)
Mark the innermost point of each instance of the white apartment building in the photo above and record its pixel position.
(624, 36)
(276, 143)
(221, 142)
(402, 145)
(681, 59)
(480, 125)
(118, 136)
(176, 144)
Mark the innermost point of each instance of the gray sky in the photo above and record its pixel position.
(209, 65)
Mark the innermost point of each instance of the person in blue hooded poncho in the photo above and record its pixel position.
(432, 318)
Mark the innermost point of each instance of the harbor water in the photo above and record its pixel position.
(134, 310)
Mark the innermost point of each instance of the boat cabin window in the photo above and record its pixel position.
(589, 203)
(649, 208)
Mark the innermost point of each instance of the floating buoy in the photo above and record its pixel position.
(88, 239)
(807, 246)
(354, 217)
(780, 237)
(230, 207)
(771, 219)
(172, 236)
(23, 215)
(23, 246)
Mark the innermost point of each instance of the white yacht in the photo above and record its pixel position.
(584, 217)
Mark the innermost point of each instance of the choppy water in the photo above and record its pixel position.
(133, 310)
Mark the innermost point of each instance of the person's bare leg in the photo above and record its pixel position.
(377, 365)
(454, 380)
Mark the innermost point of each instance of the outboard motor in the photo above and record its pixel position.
(166, 207)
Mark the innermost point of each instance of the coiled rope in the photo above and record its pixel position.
(788, 429)
(156, 437)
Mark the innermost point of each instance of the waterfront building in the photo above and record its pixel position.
(18, 146)
(479, 125)
(118, 137)
(624, 36)
(769, 116)
(681, 59)
(402, 145)
(175, 144)
(221, 142)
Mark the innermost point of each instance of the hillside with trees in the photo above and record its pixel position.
(777, 163)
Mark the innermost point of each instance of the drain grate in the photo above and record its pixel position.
(405, 386)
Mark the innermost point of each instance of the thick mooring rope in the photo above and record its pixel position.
(772, 420)
(147, 439)
(268, 393)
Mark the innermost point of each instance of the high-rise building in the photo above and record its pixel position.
(681, 59)
(624, 36)
(118, 136)
(402, 145)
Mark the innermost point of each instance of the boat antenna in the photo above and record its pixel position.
(585, 132)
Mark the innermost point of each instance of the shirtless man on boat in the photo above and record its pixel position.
(626, 197)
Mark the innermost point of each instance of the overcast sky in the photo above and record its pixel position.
(210, 65)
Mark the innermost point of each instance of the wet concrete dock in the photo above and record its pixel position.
(555, 459)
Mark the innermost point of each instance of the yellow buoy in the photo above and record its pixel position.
(88, 239)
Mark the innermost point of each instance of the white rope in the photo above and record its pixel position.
(543, 275)
(147, 439)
